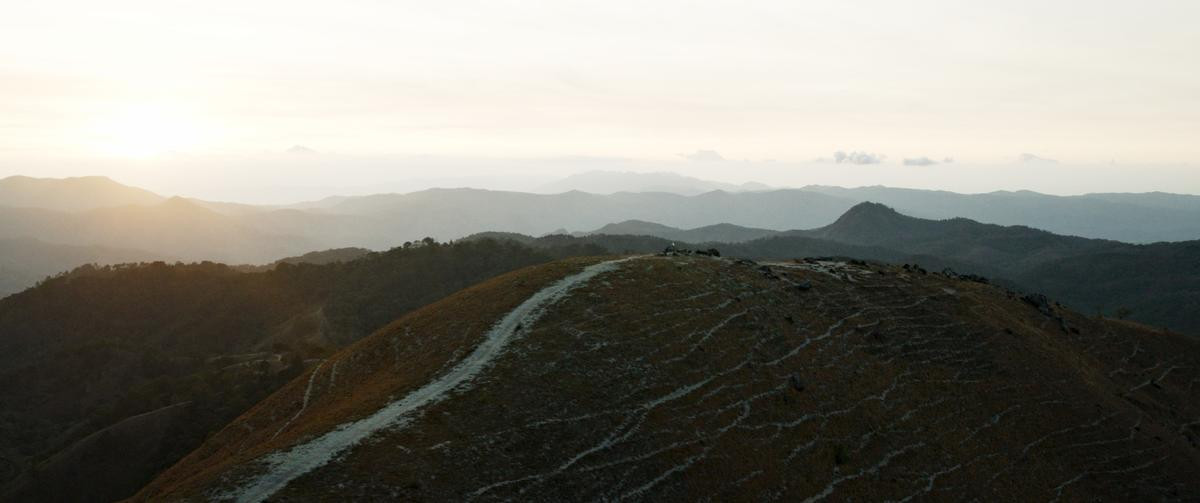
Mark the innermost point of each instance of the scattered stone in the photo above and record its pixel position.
(949, 273)
(767, 272)
(672, 251)
(1046, 307)
(1040, 302)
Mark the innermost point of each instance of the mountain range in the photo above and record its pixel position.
(1156, 283)
(161, 357)
(100, 214)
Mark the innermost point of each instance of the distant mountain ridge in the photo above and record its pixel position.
(1134, 218)
(1158, 283)
(719, 233)
(71, 194)
(25, 261)
(109, 215)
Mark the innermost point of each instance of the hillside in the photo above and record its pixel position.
(172, 228)
(71, 194)
(87, 352)
(1155, 283)
(25, 261)
(327, 256)
(1158, 283)
(717, 233)
(654, 378)
(1134, 218)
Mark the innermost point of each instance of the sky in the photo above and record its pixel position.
(209, 96)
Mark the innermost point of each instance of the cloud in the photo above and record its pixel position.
(920, 161)
(857, 157)
(704, 156)
(948, 160)
(1027, 157)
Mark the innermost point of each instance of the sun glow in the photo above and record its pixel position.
(147, 130)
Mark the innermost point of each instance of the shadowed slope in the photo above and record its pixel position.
(684, 378)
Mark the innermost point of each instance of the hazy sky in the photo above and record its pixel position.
(172, 90)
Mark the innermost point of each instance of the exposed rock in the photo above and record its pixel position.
(1040, 302)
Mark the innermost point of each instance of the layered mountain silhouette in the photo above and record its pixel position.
(684, 377)
(1154, 283)
(718, 233)
(95, 212)
(71, 194)
(1135, 218)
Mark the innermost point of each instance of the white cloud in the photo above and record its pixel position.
(919, 161)
(1027, 157)
(856, 157)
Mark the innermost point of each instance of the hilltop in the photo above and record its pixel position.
(678, 377)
